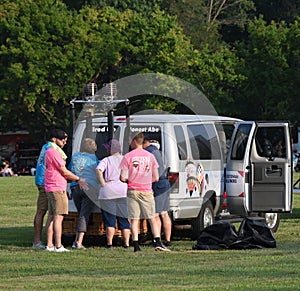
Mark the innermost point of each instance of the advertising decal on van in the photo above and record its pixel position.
(194, 178)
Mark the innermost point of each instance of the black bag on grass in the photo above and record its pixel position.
(219, 235)
(254, 234)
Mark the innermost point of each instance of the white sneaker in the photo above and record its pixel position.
(49, 249)
(61, 249)
(39, 245)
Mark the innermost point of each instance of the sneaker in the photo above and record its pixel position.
(125, 247)
(49, 249)
(39, 245)
(78, 247)
(61, 249)
(109, 247)
(160, 247)
(168, 243)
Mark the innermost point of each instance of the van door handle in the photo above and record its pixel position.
(273, 169)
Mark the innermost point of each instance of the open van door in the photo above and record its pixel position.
(259, 168)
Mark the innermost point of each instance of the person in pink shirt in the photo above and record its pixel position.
(139, 169)
(55, 182)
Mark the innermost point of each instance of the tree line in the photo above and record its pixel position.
(244, 55)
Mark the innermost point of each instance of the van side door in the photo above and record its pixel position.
(260, 157)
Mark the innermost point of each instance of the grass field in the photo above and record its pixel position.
(22, 268)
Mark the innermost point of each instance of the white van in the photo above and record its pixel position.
(218, 167)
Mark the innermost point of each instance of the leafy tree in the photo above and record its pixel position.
(158, 45)
(141, 6)
(265, 57)
(278, 10)
(293, 72)
(48, 54)
(202, 20)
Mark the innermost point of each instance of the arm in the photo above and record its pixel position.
(100, 177)
(72, 177)
(155, 175)
(123, 176)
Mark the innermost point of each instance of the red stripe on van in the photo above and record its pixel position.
(242, 173)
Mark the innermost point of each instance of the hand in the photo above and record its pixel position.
(82, 184)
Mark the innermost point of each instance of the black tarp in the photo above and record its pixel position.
(252, 233)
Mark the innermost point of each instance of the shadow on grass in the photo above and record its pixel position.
(23, 236)
(295, 214)
(16, 236)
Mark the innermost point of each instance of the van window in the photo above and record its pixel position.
(240, 142)
(270, 142)
(204, 142)
(181, 142)
(225, 131)
(102, 137)
(153, 132)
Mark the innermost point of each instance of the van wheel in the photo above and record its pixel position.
(272, 220)
(205, 218)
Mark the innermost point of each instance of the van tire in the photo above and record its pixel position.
(205, 218)
(272, 220)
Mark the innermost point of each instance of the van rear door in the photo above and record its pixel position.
(259, 168)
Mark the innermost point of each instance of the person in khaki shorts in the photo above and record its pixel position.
(139, 169)
(56, 177)
(42, 201)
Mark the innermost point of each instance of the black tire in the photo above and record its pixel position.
(272, 220)
(205, 218)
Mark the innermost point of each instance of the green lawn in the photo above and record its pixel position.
(22, 268)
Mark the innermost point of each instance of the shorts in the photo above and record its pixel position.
(57, 203)
(42, 201)
(140, 204)
(110, 220)
(160, 187)
(162, 202)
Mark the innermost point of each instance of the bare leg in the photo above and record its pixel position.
(38, 225)
(49, 228)
(154, 227)
(110, 232)
(126, 236)
(57, 227)
(79, 238)
(134, 229)
(166, 225)
(158, 221)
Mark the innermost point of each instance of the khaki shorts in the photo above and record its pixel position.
(42, 201)
(57, 203)
(140, 204)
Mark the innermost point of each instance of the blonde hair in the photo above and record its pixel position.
(139, 138)
(89, 145)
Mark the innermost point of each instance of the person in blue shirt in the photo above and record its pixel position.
(83, 164)
(161, 190)
(42, 201)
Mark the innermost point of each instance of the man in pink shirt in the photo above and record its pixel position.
(55, 180)
(139, 169)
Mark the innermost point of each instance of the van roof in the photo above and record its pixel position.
(167, 118)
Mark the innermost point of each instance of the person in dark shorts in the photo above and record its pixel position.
(113, 194)
(161, 190)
